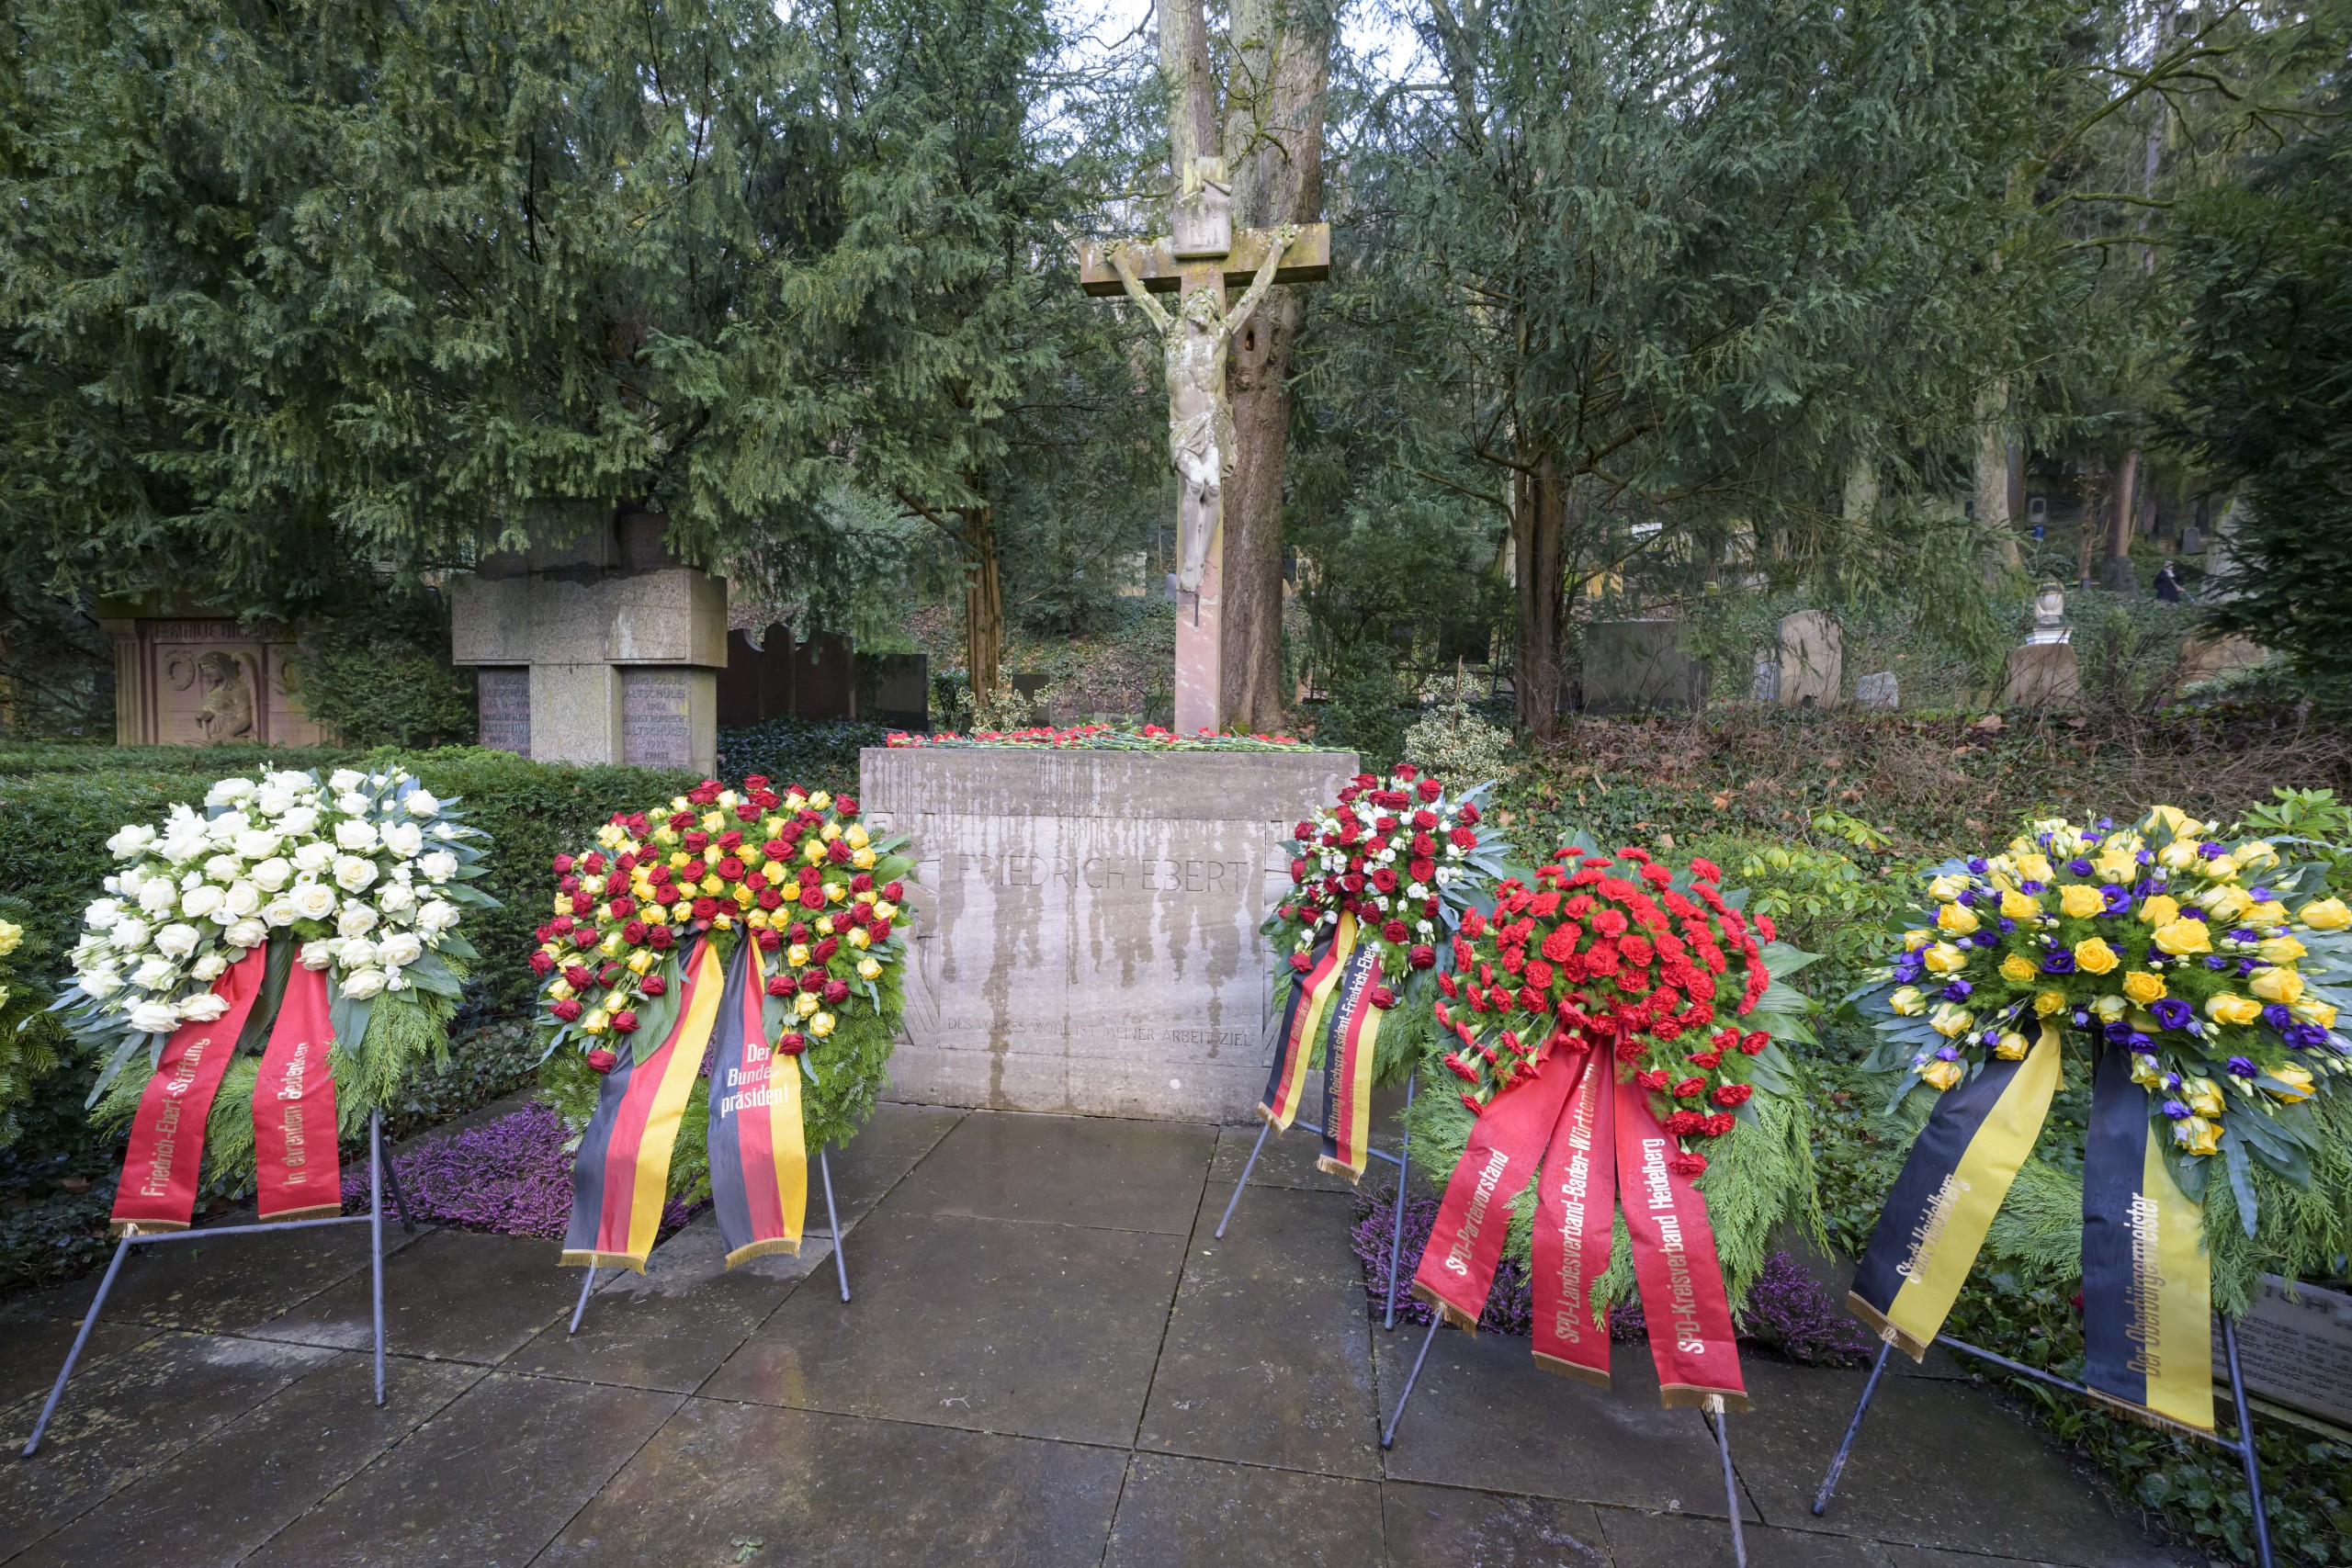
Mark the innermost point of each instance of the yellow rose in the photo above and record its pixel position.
(836, 891)
(562, 903)
(2108, 1008)
(1946, 959)
(2297, 1079)
(886, 910)
(2080, 900)
(2219, 867)
(1907, 1001)
(713, 822)
(723, 920)
(2017, 969)
(2184, 937)
(611, 946)
(857, 937)
(2034, 867)
(1914, 941)
(2143, 987)
(680, 860)
(2276, 984)
(830, 831)
(2145, 1072)
(2255, 856)
(1951, 1020)
(595, 1022)
(2311, 1010)
(665, 835)
(742, 894)
(2021, 906)
(2265, 915)
(824, 925)
(857, 836)
(820, 801)
(862, 859)
(2197, 1135)
(794, 800)
(1946, 887)
(869, 969)
(805, 1003)
(1956, 919)
(2228, 1007)
(711, 884)
(797, 955)
(1942, 1075)
(2095, 957)
(2159, 910)
(558, 987)
(2204, 1096)
(2225, 903)
(2010, 1047)
(813, 851)
(2326, 915)
(2047, 1002)
(642, 960)
(2115, 867)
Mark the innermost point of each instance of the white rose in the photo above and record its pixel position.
(224, 828)
(224, 869)
(199, 901)
(257, 843)
(246, 933)
(228, 791)
(438, 915)
(293, 781)
(352, 805)
(155, 1018)
(420, 802)
(157, 895)
(154, 974)
(279, 911)
(209, 968)
(396, 897)
(272, 873)
(399, 948)
(312, 900)
(356, 919)
(176, 940)
(131, 841)
(317, 955)
(102, 915)
(202, 1008)
(129, 881)
(446, 831)
(352, 873)
(356, 837)
(314, 856)
(130, 935)
(101, 982)
(344, 780)
(271, 800)
(361, 984)
(405, 840)
(438, 867)
(241, 899)
(301, 820)
(180, 848)
(394, 980)
(355, 951)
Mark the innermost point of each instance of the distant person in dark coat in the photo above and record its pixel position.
(2168, 584)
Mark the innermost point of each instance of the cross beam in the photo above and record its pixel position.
(1308, 260)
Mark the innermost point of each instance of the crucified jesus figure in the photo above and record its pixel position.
(1195, 341)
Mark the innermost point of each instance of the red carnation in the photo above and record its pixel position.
(1652, 1081)
(792, 1044)
(1764, 924)
(1705, 869)
(625, 1022)
(1422, 957)
(653, 985)
(566, 1009)
(1687, 1165)
(1682, 1123)
(1732, 1094)
(1689, 1089)
(1394, 931)
(602, 1060)
(1475, 1109)
(1538, 975)
(1754, 1042)
(1707, 1061)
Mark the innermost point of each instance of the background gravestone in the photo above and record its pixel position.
(1876, 691)
(1812, 660)
(1630, 665)
(1086, 929)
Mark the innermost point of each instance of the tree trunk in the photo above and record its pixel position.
(2115, 571)
(1539, 532)
(1274, 151)
(1184, 66)
(1992, 485)
(983, 602)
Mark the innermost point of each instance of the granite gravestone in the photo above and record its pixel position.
(1086, 922)
(2297, 1353)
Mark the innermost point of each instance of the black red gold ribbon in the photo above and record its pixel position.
(759, 1168)
(1347, 1051)
(1310, 991)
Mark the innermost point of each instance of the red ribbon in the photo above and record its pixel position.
(1506, 1144)
(294, 1122)
(1675, 1265)
(167, 1153)
(1575, 1208)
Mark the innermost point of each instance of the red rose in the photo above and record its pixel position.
(730, 868)
(844, 806)
(659, 874)
(1394, 931)
(563, 863)
(769, 898)
(878, 929)
(862, 883)
(1687, 1165)
(836, 992)
(566, 1009)
(582, 903)
(542, 962)
(776, 849)
(781, 986)
(1303, 833)
(567, 884)
(584, 938)
(1383, 997)
(792, 1044)
(1732, 1094)
(838, 851)
(1428, 789)
(770, 941)
(894, 893)
(812, 982)
(625, 1022)
(1405, 772)
(1385, 879)
(812, 896)
(705, 908)
(578, 975)
(1422, 957)
(653, 985)
(659, 936)
(1689, 1089)
(1301, 962)
(695, 842)
(1298, 870)
(602, 1060)
(825, 950)
(633, 932)
(1422, 871)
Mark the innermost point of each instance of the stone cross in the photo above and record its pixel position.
(1198, 263)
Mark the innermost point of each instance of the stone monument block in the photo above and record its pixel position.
(1086, 923)
(1877, 691)
(1630, 665)
(2041, 674)
(1813, 655)
(184, 674)
(2298, 1352)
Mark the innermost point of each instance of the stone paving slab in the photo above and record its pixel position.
(226, 1495)
(1050, 1359)
(229, 1284)
(1043, 1331)
(813, 1488)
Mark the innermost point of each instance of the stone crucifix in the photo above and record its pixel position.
(1198, 263)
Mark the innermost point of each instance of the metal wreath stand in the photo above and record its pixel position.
(832, 1221)
(380, 1175)
(2242, 1445)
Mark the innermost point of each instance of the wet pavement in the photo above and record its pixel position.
(1049, 1360)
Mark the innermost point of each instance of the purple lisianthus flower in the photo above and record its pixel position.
(1947, 1054)
(2115, 898)
(2104, 824)
(2079, 866)
(2261, 894)
(1966, 895)
(2030, 887)
(1977, 864)
(2305, 1036)
(2191, 912)
(1990, 1037)
(2007, 925)
(2216, 960)
(1957, 991)
(2242, 1067)
(1986, 938)
(2172, 1012)
(2138, 1042)
(2117, 1033)
(2082, 1018)
(2242, 933)
(2276, 1016)
(1907, 968)
(2145, 857)
(2175, 1110)
(2057, 961)
(2208, 850)
(2248, 965)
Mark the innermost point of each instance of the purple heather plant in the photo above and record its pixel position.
(509, 1177)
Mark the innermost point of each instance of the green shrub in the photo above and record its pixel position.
(818, 753)
(376, 671)
(32, 1044)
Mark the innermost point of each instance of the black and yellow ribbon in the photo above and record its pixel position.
(1943, 1202)
(1302, 1016)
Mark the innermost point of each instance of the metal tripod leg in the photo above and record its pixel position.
(89, 1321)
(1397, 1222)
(1714, 1410)
(399, 1199)
(1389, 1435)
(2245, 1446)
(376, 1238)
(833, 1218)
(1838, 1464)
(585, 1286)
(1264, 1128)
